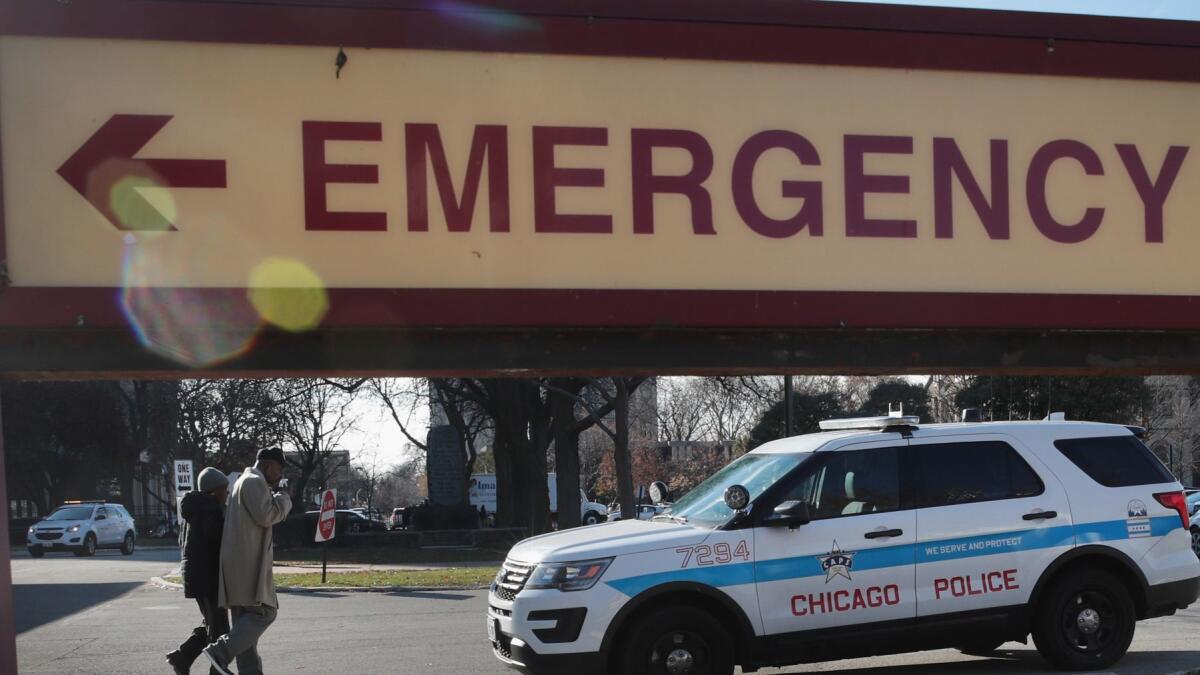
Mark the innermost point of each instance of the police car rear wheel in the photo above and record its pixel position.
(678, 640)
(1085, 623)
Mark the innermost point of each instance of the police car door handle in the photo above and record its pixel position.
(883, 533)
(1040, 515)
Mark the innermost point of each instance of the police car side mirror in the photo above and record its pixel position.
(790, 513)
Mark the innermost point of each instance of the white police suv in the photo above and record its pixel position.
(880, 536)
(83, 527)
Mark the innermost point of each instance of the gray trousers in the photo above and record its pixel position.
(241, 643)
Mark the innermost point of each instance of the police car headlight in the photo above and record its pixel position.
(73, 528)
(31, 530)
(571, 576)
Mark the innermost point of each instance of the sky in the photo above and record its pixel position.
(1186, 10)
(376, 430)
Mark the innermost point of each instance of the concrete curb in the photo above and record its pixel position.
(172, 586)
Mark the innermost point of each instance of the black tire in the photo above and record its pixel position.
(1086, 621)
(36, 552)
(89, 546)
(982, 648)
(1196, 540)
(128, 545)
(355, 527)
(679, 632)
(591, 518)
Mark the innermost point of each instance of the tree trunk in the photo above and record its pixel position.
(306, 472)
(505, 480)
(621, 450)
(566, 450)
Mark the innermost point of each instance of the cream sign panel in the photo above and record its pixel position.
(187, 164)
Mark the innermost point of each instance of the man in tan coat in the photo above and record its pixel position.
(246, 586)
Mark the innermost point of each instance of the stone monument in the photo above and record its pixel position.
(445, 472)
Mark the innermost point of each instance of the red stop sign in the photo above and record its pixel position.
(326, 521)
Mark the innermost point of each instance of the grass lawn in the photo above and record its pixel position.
(399, 556)
(451, 576)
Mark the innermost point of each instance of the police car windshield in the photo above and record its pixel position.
(705, 505)
(72, 513)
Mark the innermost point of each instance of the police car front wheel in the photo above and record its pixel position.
(677, 640)
(1085, 623)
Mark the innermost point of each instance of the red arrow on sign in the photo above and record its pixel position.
(104, 171)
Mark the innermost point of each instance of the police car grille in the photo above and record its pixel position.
(49, 535)
(511, 579)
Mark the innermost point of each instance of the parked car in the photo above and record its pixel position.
(396, 521)
(357, 522)
(374, 515)
(1193, 502)
(644, 511)
(163, 529)
(82, 528)
(346, 521)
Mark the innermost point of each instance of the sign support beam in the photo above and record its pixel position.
(8, 631)
(67, 354)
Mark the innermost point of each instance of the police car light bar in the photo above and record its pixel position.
(887, 422)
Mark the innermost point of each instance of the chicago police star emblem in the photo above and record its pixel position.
(836, 563)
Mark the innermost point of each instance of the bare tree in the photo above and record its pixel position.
(370, 471)
(728, 415)
(404, 397)
(402, 485)
(1173, 420)
(616, 392)
(681, 414)
(316, 416)
(223, 423)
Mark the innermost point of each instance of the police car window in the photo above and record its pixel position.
(705, 505)
(1115, 461)
(849, 483)
(980, 471)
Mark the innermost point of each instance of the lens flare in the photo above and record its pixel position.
(195, 327)
(131, 195)
(288, 294)
(138, 209)
(497, 21)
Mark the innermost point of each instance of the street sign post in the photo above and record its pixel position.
(326, 526)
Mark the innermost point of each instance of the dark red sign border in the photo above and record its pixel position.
(749, 30)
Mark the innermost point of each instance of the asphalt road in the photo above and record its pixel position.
(97, 615)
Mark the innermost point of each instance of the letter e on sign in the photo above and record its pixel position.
(327, 519)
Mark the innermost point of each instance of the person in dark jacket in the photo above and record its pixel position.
(203, 512)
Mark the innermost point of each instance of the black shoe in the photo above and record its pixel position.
(176, 660)
(217, 663)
